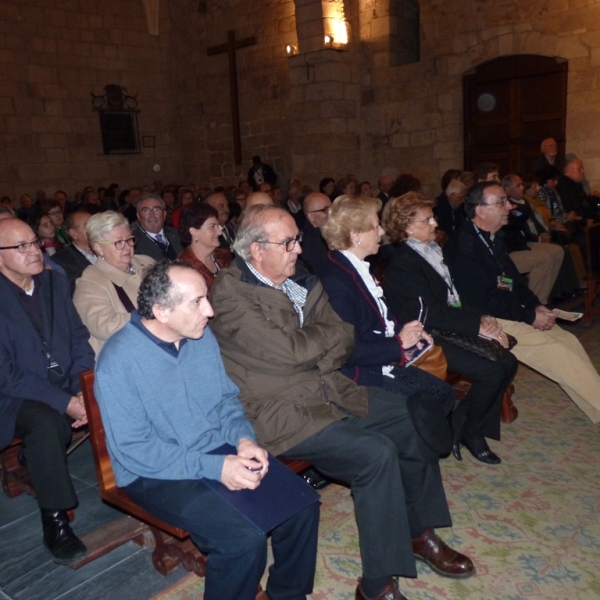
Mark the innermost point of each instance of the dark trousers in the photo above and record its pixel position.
(237, 551)
(395, 490)
(45, 434)
(479, 411)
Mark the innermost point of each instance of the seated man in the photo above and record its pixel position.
(154, 238)
(160, 439)
(283, 344)
(314, 248)
(43, 348)
(573, 195)
(76, 257)
(449, 211)
(530, 251)
(486, 277)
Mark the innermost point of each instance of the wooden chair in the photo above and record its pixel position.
(592, 265)
(15, 478)
(172, 546)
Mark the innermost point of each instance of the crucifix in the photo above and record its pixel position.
(230, 47)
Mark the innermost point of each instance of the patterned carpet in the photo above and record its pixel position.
(531, 524)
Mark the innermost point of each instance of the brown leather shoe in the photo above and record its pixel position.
(441, 558)
(389, 592)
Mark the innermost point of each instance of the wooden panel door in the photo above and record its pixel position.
(510, 105)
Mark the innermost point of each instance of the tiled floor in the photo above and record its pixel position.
(28, 573)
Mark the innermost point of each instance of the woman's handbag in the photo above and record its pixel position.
(484, 347)
(434, 362)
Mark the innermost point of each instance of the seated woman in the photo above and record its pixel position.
(417, 276)
(45, 229)
(199, 231)
(106, 293)
(352, 232)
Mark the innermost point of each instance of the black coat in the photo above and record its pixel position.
(352, 301)
(448, 218)
(408, 277)
(23, 360)
(475, 272)
(73, 262)
(146, 245)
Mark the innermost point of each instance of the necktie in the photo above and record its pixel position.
(161, 240)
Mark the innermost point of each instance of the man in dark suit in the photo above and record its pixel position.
(314, 248)
(573, 195)
(75, 258)
(154, 238)
(43, 348)
(384, 183)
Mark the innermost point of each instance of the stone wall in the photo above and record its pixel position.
(323, 112)
(53, 54)
(201, 85)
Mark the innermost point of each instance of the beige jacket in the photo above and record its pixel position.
(96, 298)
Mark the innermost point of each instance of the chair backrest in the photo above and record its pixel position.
(592, 250)
(106, 477)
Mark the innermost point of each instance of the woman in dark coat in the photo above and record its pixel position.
(418, 276)
(352, 232)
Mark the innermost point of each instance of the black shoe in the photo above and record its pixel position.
(484, 455)
(59, 539)
(456, 450)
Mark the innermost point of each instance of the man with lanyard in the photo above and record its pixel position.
(486, 277)
(43, 348)
(154, 238)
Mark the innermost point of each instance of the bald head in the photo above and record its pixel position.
(19, 266)
(316, 208)
(258, 198)
(574, 170)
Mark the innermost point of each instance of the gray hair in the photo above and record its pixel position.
(150, 196)
(101, 224)
(252, 228)
(157, 287)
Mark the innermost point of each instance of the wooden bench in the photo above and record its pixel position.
(15, 478)
(172, 545)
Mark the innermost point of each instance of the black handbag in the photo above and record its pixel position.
(486, 348)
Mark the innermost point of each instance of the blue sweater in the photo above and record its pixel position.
(163, 413)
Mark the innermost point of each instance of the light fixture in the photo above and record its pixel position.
(290, 49)
(328, 40)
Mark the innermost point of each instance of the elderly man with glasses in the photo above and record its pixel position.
(154, 238)
(282, 344)
(43, 348)
(487, 279)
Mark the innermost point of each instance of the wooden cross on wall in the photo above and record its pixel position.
(230, 47)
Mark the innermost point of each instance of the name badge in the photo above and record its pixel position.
(505, 283)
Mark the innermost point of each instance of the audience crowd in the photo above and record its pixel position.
(320, 299)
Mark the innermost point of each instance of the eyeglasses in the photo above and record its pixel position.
(289, 244)
(120, 244)
(154, 210)
(24, 247)
(499, 203)
(325, 210)
(430, 220)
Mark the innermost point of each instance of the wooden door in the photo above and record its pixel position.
(510, 105)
